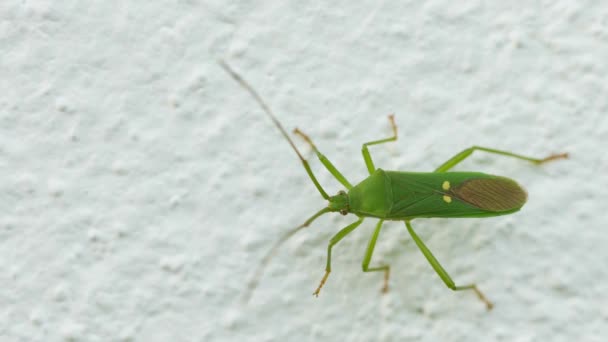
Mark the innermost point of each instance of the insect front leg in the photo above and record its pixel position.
(253, 283)
(441, 272)
(368, 257)
(328, 165)
(366, 156)
(334, 240)
(466, 153)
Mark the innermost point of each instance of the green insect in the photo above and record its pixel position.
(404, 196)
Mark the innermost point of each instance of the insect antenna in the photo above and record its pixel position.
(261, 102)
(274, 119)
(253, 283)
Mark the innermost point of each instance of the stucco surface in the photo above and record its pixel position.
(141, 185)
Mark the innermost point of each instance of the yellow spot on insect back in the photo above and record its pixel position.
(447, 199)
(446, 185)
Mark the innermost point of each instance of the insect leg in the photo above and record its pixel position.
(328, 165)
(464, 154)
(368, 257)
(366, 156)
(334, 240)
(441, 272)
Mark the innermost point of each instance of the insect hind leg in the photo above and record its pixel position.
(459, 157)
(442, 272)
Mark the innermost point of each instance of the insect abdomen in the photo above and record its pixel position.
(453, 194)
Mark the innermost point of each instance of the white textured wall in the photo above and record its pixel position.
(141, 186)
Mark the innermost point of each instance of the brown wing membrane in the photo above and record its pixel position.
(494, 194)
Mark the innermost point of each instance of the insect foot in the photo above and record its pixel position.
(489, 305)
(316, 293)
(385, 287)
(554, 157)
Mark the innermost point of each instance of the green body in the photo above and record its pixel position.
(404, 196)
(394, 195)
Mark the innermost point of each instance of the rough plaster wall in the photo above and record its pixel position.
(140, 185)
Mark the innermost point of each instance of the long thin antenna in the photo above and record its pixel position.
(261, 102)
(274, 119)
(253, 283)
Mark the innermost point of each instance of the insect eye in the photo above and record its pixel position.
(341, 192)
(343, 212)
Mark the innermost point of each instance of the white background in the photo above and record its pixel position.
(141, 186)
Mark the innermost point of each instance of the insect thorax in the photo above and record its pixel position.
(369, 198)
